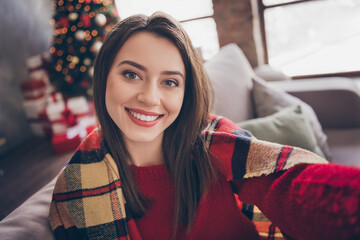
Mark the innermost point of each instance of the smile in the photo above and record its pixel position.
(143, 118)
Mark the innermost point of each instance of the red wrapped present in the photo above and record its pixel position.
(63, 114)
(79, 107)
(37, 66)
(71, 139)
(58, 114)
(55, 106)
(33, 88)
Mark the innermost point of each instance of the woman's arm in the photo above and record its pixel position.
(296, 189)
(320, 201)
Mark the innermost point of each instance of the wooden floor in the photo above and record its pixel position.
(25, 170)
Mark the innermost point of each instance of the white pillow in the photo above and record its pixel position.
(230, 74)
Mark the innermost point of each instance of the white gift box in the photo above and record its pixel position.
(34, 61)
(33, 107)
(78, 105)
(55, 106)
(57, 128)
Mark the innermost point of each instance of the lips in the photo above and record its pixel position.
(143, 118)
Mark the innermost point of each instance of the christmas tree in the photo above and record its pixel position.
(80, 28)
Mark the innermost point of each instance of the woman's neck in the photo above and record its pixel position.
(144, 154)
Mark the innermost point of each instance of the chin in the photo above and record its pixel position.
(141, 138)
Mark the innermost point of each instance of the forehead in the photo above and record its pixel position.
(152, 51)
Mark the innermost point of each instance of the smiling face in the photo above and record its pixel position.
(145, 87)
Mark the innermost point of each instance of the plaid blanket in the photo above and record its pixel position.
(88, 202)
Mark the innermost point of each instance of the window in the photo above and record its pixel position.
(312, 37)
(195, 17)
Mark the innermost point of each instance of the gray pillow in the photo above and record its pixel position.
(269, 100)
(288, 126)
(230, 74)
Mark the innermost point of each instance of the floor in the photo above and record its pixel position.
(25, 170)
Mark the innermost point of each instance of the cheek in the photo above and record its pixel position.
(174, 103)
(109, 104)
(113, 98)
(114, 93)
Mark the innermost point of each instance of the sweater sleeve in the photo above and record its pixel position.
(238, 155)
(298, 191)
(308, 201)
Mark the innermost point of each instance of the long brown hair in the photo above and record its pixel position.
(183, 145)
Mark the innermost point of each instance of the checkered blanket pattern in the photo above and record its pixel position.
(240, 155)
(88, 202)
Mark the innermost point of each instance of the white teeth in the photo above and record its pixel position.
(143, 117)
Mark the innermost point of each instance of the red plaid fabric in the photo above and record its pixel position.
(88, 202)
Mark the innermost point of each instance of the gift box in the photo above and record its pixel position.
(35, 113)
(38, 68)
(66, 113)
(58, 114)
(33, 89)
(33, 107)
(46, 113)
(79, 107)
(71, 139)
(55, 107)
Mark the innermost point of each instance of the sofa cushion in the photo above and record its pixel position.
(344, 145)
(269, 100)
(288, 126)
(270, 74)
(230, 74)
(30, 220)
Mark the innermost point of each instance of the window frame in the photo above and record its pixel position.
(261, 8)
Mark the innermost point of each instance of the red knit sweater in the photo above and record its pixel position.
(305, 202)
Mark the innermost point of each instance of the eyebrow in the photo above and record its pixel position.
(141, 67)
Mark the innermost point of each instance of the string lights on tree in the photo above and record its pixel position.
(80, 28)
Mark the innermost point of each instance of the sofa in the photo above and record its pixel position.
(321, 115)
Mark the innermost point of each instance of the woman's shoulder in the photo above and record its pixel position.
(89, 167)
(91, 150)
(88, 153)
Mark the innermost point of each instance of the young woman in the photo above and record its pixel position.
(161, 167)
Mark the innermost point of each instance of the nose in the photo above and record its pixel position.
(149, 94)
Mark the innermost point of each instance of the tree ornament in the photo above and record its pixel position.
(85, 20)
(91, 71)
(100, 19)
(96, 47)
(69, 79)
(75, 60)
(85, 84)
(87, 61)
(73, 16)
(64, 22)
(80, 35)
